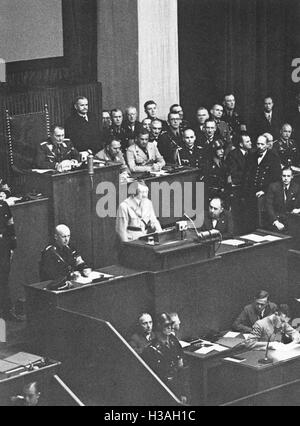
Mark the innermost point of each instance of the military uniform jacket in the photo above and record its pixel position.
(139, 342)
(130, 133)
(288, 152)
(164, 359)
(258, 177)
(168, 144)
(193, 157)
(217, 176)
(249, 316)
(8, 239)
(50, 154)
(234, 121)
(224, 224)
(133, 219)
(141, 161)
(57, 262)
(276, 204)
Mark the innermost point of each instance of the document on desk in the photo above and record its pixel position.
(254, 238)
(23, 358)
(205, 350)
(234, 243)
(184, 344)
(285, 352)
(271, 238)
(231, 334)
(6, 366)
(219, 348)
(42, 171)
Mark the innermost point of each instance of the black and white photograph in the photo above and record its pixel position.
(149, 205)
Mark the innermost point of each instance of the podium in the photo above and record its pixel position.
(73, 202)
(168, 251)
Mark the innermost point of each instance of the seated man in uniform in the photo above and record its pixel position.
(144, 335)
(259, 309)
(274, 328)
(165, 356)
(60, 260)
(282, 198)
(112, 153)
(136, 216)
(57, 153)
(286, 148)
(218, 218)
(144, 156)
(191, 154)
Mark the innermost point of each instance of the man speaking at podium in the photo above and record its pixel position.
(218, 218)
(136, 216)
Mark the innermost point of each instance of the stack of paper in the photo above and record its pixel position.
(234, 243)
(254, 238)
(23, 358)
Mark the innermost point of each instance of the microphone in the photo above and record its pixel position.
(91, 165)
(266, 359)
(193, 223)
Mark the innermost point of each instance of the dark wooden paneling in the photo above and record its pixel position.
(32, 230)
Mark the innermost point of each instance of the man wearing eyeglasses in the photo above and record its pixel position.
(170, 142)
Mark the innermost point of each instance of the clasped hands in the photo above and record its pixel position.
(66, 165)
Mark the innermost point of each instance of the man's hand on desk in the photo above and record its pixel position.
(64, 166)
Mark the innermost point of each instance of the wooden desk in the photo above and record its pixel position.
(73, 201)
(12, 385)
(294, 230)
(32, 230)
(168, 252)
(249, 377)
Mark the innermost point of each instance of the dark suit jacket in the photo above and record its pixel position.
(276, 207)
(262, 125)
(84, 134)
(248, 317)
(258, 177)
(167, 146)
(224, 225)
(236, 163)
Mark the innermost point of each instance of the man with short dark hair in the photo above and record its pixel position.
(201, 116)
(57, 153)
(170, 142)
(282, 198)
(208, 137)
(106, 119)
(150, 108)
(286, 147)
(236, 164)
(192, 155)
(83, 127)
(260, 308)
(112, 153)
(216, 113)
(144, 156)
(267, 120)
(177, 109)
(234, 120)
(273, 328)
(218, 218)
(144, 335)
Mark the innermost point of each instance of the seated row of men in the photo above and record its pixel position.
(263, 321)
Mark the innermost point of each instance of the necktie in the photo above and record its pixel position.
(286, 192)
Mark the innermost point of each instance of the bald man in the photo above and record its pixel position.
(60, 260)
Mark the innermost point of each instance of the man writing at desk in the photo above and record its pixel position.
(218, 218)
(60, 260)
(136, 216)
(57, 153)
(274, 328)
